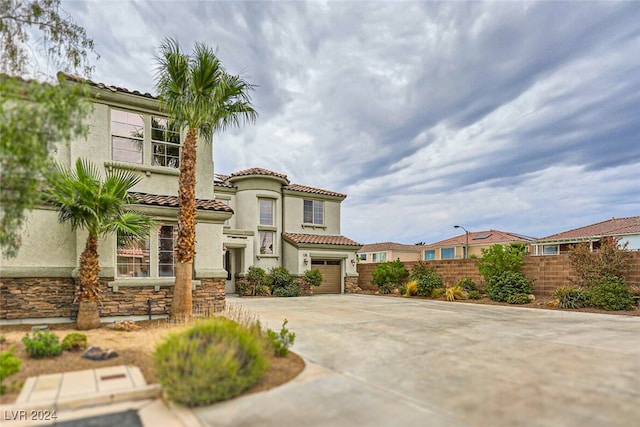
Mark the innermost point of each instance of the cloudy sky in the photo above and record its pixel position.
(516, 116)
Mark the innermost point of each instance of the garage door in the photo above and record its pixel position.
(331, 276)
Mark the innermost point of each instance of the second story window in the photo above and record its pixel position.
(313, 212)
(127, 136)
(266, 212)
(165, 142)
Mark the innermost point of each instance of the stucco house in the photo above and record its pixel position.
(389, 251)
(278, 223)
(626, 229)
(455, 247)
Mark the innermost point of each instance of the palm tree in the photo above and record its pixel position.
(87, 202)
(196, 92)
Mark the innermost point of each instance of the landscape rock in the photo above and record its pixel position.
(96, 353)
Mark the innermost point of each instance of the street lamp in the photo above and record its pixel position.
(466, 246)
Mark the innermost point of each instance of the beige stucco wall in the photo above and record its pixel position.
(294, 211)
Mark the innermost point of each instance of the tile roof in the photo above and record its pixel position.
(390, 246)
(78, 79)
(306, 189)
(317, 239)
(259, 171)
(172, 201)
(487, 237)
(610, 227)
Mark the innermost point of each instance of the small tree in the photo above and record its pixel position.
(610, 260)
(388, 274)
(498, 259)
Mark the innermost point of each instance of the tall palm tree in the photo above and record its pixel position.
(196, 92)
(98, 206)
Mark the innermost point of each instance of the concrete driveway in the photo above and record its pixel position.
(378, 361)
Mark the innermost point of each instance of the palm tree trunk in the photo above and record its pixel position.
(181, 305)
(88, 314)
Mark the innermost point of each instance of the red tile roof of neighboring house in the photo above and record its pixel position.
(78, 79)
(172, 201)
(390, 246)
(317, 239)
(610, 227)
(306, 189)
(489, 237)
(259, 171)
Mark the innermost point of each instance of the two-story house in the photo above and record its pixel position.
(277, 223)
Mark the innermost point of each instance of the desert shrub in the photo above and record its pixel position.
(454, 293)
(402, 289)
(278, 277)
(474, 295)
(313, 277)
(9, 365)
(437, 293)
(388, 275)
(612, 293)
(254, 283)
(498, 259)
(571, 297)
(518, 299)
(43, 344)
(214, 360)
(508, 283)
(611, 260)
(74, 342)
(292, 289)
(467, 284)
(426, 278)
(411, 289)
(281, 341)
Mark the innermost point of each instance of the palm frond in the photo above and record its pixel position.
(130, 225)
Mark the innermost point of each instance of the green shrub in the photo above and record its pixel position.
(214, 360)
(278, 277)
(388, 275)
(43, 344)
(611, 294)
(499, 259)
(454, 293)
(474, 295)
(281, 341)
(74, 342)
(571, 297)
(402, 290)
(426, 278)
(313, 277)
(508, 283)
(437, 293)
(9, 365)
(467, 284)
(290, 290)
(518, 299)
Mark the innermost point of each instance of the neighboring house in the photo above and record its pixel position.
(627, 229)
(277, 223)
(455, 247)
(389, 251)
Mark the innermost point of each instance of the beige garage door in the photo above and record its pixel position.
(331, 276)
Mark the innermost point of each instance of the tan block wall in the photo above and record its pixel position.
(549, 272)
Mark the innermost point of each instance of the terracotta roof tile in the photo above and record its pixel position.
(172, 201)
(78, 79)
(259, 171)
(488, 237)
(318, 239)
(390, 246)
(312, 190)
(611, 227)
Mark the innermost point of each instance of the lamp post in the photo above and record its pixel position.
(466, 246)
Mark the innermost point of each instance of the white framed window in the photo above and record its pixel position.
(153, 256)
(363, 257)
(165, 142)
(127, 136)
(267, 242)
(430, 254)
(313, 212)
(447, 253)
(266, 211)
(550, 250)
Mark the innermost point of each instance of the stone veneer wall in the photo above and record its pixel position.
(351, 285)
(549, 272)
(22, 298)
